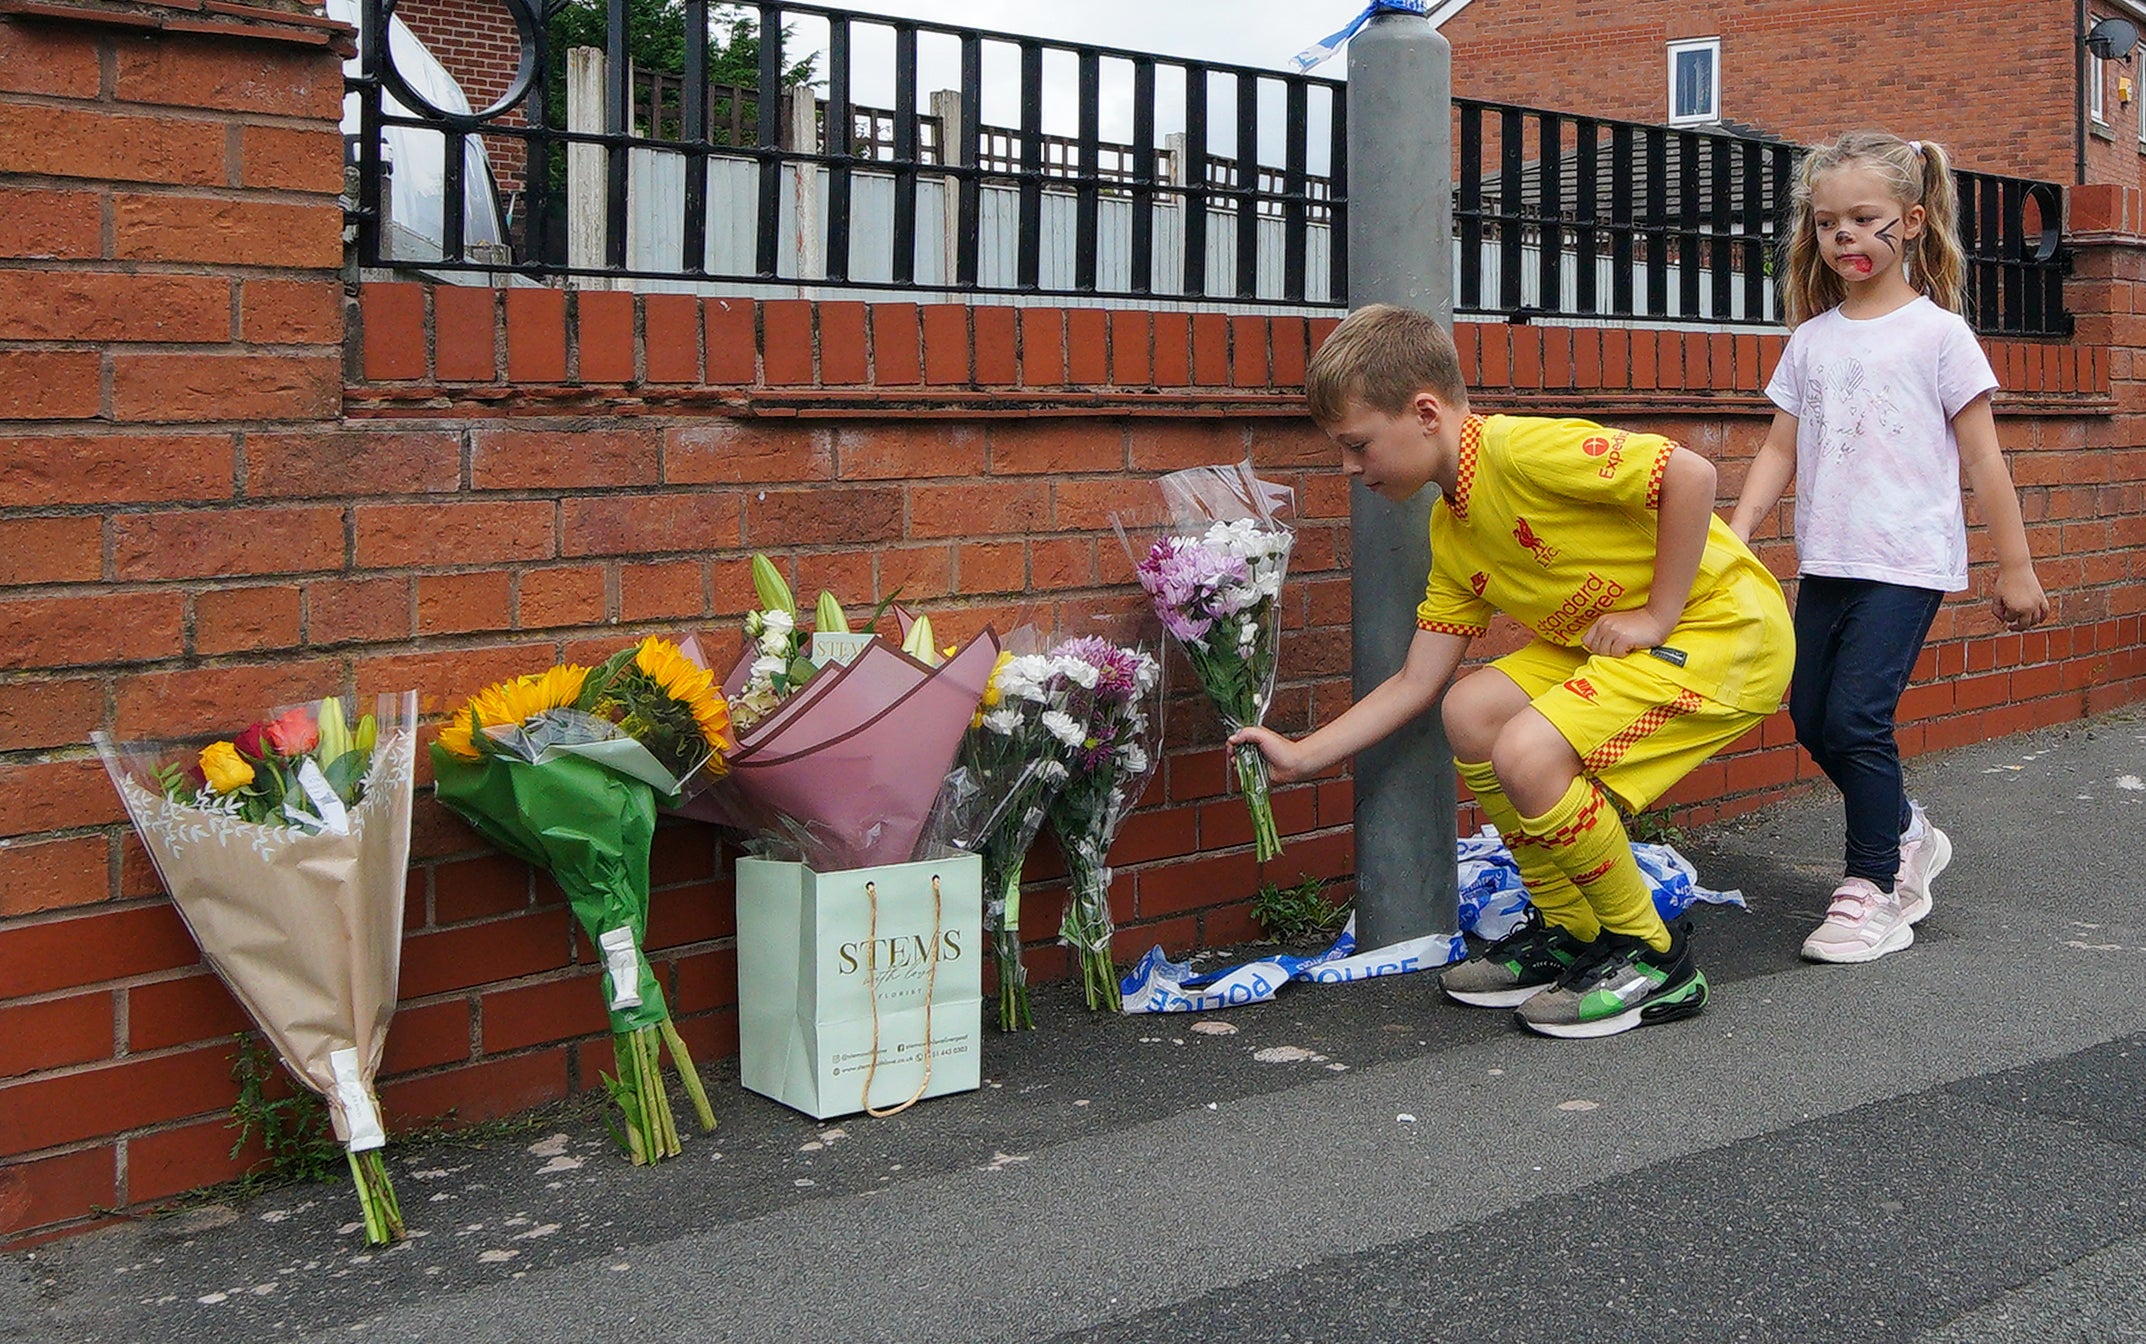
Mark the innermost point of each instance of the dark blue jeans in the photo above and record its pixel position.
(1856, 645)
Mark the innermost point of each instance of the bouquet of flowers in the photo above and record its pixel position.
(1100, 695)
(1215, 579)
(843, 737)
(286, 848)
(994, 802)
(564, 769)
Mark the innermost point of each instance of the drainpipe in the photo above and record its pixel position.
(2078, 65)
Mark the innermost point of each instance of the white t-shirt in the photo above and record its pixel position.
(1877, 465)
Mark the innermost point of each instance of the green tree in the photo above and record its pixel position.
(656, 40)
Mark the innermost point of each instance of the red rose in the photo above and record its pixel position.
(251, 743)
(294, 733)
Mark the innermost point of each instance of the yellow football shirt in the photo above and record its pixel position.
(1553, 523)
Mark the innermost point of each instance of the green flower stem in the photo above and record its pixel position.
(1087, 927)
(651, 1134)
(688, 1074)
(1252, 778)
(1238, 688)
(1013, 1010)
(376, 1197)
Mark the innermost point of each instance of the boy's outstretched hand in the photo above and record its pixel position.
(2019, 601)
(1285, 759)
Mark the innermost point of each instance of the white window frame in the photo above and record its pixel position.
(2097, 90)
(1711, 46)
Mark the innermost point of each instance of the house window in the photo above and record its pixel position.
(2097, 79)
(1695, 81)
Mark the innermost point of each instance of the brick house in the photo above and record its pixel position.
(1999, 84)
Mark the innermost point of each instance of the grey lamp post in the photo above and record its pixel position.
(1400, 240)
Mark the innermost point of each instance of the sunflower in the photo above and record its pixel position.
(690, 685)
(515, 701)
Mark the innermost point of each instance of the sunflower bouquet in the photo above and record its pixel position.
(565, 769)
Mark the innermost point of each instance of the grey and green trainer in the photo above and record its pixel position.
(1622, 985)
(1515, 968)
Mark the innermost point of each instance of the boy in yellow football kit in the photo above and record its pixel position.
(1659, 639)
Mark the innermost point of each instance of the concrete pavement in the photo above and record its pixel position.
(1948, 1144)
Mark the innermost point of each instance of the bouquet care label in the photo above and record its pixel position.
(860, 989)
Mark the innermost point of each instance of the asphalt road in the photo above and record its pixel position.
(1946, 1145)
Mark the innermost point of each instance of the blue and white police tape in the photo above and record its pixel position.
(1326, 47)
(1492, 904)
(1159, 985)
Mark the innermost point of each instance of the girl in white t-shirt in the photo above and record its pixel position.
(1884, 399)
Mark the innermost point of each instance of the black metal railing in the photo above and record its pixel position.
(1229, 184)
(970, 206)
(1567, 215)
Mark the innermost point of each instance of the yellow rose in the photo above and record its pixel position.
(224, 768)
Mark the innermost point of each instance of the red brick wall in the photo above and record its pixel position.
(170, 248)
(1803, 71)
(212, 512)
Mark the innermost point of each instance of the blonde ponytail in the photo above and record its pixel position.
(1937, 263)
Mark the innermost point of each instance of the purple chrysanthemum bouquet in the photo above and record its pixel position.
(1105, 706)
(1216, 581)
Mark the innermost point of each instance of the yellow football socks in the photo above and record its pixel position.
(1548, 887)
(1585, 838)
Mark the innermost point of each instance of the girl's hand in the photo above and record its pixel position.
(1623, 632)
(1285, 763)
(2019, 601)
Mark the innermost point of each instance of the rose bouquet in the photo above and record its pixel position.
(564, 769)
(994, 802)
(1101, 719)
(285, 849)
(1216, 579)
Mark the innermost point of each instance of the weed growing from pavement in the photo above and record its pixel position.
(1298, 914)
(1653, 828)
(297, 1141)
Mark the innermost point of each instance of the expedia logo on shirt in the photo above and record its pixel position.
(1545, 554)
(1611, 449)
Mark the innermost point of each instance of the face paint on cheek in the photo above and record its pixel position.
(1885, 235)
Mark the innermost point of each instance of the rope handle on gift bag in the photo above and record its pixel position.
(871, 982)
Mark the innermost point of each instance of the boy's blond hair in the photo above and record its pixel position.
(1378, 358)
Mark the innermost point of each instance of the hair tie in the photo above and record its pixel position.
(1915, 145)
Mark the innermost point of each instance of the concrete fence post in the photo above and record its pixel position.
(587, 229)
(1400, 224)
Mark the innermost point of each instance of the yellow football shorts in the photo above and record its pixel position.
(1637, 731)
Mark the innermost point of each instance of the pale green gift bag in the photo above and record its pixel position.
(860, 990)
